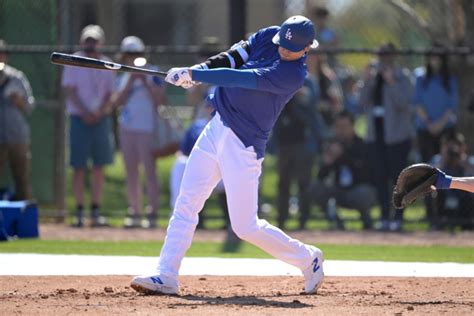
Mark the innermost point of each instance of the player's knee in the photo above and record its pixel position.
(248, 230)
(245, 232)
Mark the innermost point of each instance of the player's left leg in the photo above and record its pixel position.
(201, 175)
(240, 170)
(176, 176)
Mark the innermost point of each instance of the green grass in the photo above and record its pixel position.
(243, 250)
(115, 203)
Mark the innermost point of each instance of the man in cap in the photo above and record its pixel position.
(139, 95)
(16, 102)
(254, 79)
(87, 95)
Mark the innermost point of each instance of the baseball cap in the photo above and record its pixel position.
(132, 44)
(92, 31)
(295, 34)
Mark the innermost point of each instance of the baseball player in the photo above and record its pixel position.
(255, 79)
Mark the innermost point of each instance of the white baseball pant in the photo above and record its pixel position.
(176, 176)
(220, 154)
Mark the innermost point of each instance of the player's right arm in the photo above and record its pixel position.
(278, 79)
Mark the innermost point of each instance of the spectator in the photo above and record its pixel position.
(325, 35)
(330, 91)
(295, 134)
(343, 178)
(351, 94)
(451, 207)
(87, 99)
(386, 97)
(140, 96)
(16, 102)
(436, 101)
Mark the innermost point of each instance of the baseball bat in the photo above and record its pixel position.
(79, 61)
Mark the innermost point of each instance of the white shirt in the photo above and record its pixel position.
(138, 112)
(92, 85)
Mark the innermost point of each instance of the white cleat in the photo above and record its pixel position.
(155, 284)
(314, 275)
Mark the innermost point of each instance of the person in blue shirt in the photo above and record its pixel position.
(254, 79)
(436, 101)
(326, 36)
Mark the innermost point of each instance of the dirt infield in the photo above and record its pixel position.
(213, 295)
(107, 295)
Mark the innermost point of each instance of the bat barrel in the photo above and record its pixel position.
(80, 61)
(72, 60)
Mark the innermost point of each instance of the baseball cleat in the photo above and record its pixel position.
(154, 284)
(314, 274)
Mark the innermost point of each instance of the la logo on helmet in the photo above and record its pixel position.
(288, 35)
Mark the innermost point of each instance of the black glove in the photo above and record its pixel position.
(414, 181)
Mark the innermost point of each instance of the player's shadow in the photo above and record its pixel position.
(238, 300)
(232, 243)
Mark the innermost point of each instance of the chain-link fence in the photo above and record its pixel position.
(348, 31)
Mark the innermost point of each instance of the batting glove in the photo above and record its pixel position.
(179, 77)
(187, 84)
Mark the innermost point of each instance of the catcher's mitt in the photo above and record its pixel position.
(414, 181)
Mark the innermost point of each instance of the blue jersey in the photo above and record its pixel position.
(434, 98)
(251, 113)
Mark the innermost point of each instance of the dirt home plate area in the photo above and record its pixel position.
(111, 295)
(232, 295)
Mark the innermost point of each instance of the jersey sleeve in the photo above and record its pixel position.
(235, 57)
(239, 53)
(225, 77)
(284, 78)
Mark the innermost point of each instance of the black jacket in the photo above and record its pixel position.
(353, 159)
